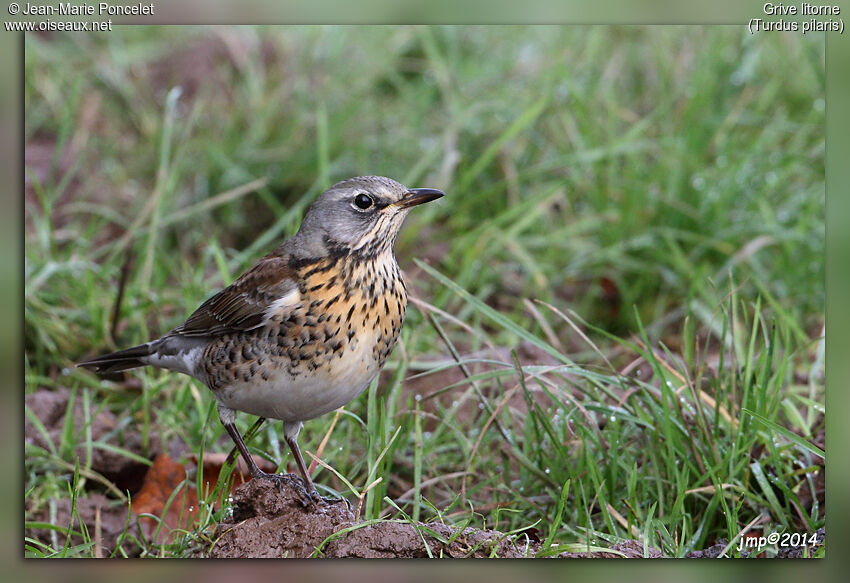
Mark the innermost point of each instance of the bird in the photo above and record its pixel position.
(306, 329)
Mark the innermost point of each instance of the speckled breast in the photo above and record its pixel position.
(319, 354)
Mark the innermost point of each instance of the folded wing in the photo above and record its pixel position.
(267, 288)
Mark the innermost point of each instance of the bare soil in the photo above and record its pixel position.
(270, 522)
(50, 408)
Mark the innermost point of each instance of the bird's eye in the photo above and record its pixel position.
(363, 201)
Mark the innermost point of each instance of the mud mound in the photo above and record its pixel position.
(268, 522)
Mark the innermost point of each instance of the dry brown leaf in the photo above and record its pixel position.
(161, 480)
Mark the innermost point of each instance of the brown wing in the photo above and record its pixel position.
(247, 303)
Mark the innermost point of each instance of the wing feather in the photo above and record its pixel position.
(248, 302)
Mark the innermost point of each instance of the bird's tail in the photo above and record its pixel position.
(121, 360)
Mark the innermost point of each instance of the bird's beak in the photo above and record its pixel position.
(417, 196)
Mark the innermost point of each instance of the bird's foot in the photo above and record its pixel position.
(329, 500)
(307, 498)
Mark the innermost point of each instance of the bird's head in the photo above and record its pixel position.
(360, 215)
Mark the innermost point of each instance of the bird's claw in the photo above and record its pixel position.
(307, 498)
(310, 498)
(329, 501)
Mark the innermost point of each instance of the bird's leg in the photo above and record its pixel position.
(290, 433)
(228, 418)
(299, 461)
(231, 457)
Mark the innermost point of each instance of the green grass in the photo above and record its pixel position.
(626, 275)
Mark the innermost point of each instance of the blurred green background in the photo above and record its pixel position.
(655, 158)
(662, 183)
